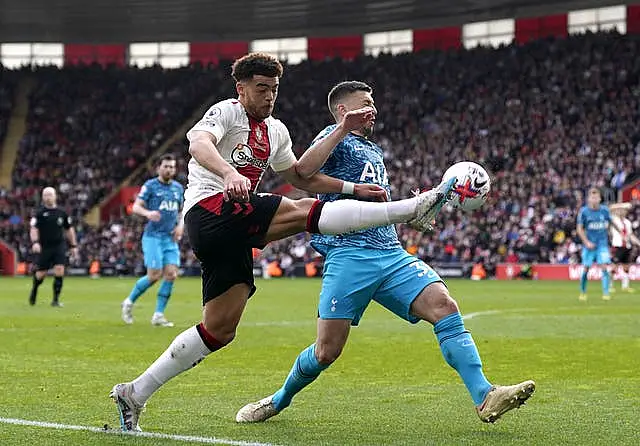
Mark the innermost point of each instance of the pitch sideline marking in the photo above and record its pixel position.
(185, 438)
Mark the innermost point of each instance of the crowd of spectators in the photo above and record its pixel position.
(548, 119)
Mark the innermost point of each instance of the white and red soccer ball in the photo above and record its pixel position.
(472, 187)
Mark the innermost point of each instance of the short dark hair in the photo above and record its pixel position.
(343, 89)
(165, 157)
(260, 64)
(595, 190)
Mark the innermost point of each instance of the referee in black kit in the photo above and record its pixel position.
(48, 229)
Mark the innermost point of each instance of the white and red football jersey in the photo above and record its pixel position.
(621, 239)
(247, 144)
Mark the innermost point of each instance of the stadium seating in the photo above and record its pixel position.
(548, 119)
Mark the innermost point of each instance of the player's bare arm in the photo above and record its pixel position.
(620, 207)
(178, 231)
(583, 236)
(139, 208)
(324, 184)
(203, 149)
(316, 156)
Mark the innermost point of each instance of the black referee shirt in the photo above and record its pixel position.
(51, 223)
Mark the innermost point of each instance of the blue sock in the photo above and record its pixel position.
(164, 293)
(606, 281)
(583, 281)
(460, 352)
(139, 288)
(304, 371)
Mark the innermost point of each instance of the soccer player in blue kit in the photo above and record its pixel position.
(372, 265)
(160, 201)
(593, 230)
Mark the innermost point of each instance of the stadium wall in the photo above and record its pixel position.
(8, 259)
(510, 271)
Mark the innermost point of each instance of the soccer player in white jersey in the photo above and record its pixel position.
(236, 140)
(622, 241)
(372, 265)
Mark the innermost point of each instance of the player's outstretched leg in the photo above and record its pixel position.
(38, 278)
(305, 370)
(220, 319)
(142, 285)
(332, 336)
(458, 348)
(343, 216)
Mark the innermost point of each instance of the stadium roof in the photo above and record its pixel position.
(118, 21)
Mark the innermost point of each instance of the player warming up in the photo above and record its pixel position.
(49, 227)
(233, 144)
(622, 242)
(372, 265)
(593, 230)
(159, 201)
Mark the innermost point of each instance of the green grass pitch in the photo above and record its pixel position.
(390, 387)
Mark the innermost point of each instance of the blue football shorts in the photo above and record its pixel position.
(160, 251)
(355, 276)
(600, 256)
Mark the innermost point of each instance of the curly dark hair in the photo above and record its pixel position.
(261, 64)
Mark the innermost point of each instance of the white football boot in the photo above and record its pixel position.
(128, 409)
(502, 399)
(127, 316)
(430, 203)
(257, 412)
(159, 320)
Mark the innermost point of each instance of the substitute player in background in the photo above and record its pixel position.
(622, 242)
(49, 227)
(372, 265)
(159, 201)
(593, 229)
(233, 144)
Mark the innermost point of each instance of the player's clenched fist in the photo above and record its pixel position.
(357, 119)
(236, 187)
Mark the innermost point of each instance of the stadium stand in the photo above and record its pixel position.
(548, 119)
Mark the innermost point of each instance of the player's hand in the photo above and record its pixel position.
(357, 119)
(236, 187)
(590, 245)
(36, 248)
(371, 192)
(177, 232)
(154, 215)
(75, 254)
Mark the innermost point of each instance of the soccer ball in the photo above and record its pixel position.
(473, 186)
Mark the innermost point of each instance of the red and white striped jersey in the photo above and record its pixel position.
(247, 144)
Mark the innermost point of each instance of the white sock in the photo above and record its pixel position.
(127, 302)
(625, 280)
(342, 216)
(185, 352)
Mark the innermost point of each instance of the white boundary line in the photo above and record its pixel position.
(185, 438)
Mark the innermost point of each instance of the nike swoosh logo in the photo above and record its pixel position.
(478, 184)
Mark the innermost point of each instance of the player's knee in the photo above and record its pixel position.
(223, 333)
(434, 303)
(327, 354)
(154, 275)
(58, 271)
(170, 275)
(302, 207)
